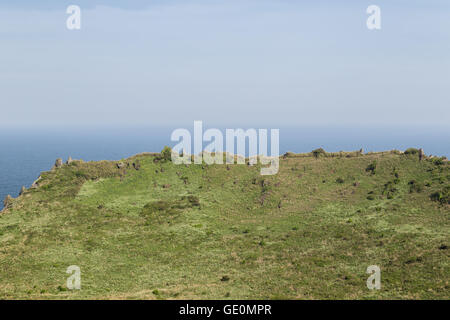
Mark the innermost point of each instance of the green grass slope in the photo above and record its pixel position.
(155, 230)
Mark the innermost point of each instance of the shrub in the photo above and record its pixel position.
(438, 161)
(339, 180)
(193, 200)
(165, 155)
(372, 167)
(436, 196)
(395, 173)
(389, 189)
(412, 151)
(318, 152)
(170, 207)
(225, 278)
(155, 207)
(442, 197)
(415, 186)
(81, 174)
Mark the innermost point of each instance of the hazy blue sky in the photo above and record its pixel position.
(225, 62)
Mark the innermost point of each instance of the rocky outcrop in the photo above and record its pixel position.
(22, 191)
(7, 203)
(69, 160)
(421, 154)
(36, 183)
(58, 163)
(288, 154)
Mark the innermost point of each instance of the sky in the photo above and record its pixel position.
(225, 62)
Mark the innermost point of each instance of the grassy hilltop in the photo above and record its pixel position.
(146, 228)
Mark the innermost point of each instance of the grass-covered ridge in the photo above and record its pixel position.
(145, 228)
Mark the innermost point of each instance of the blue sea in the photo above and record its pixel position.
(25, 152)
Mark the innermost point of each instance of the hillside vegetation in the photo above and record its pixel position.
(144, 228)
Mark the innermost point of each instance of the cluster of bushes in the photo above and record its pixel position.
(194, 201)
(170, 207)
(411, 151)
(321, 152)
(318, 152)
(165, 155)
(442, 196)
(389, 189)
(90, 170)
(439, 161)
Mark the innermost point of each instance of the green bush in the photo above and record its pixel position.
(389, 189)
(81, 174)
(372, 167)
(170, 207)
(412, 151)
(415, 186)
(193, 200)
(156, 207)
(318, 152)
(165, 155)
(438, 161)
(442, 197)
(339, 180)
(395, 173)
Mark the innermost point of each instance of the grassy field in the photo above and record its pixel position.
(155, 230)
